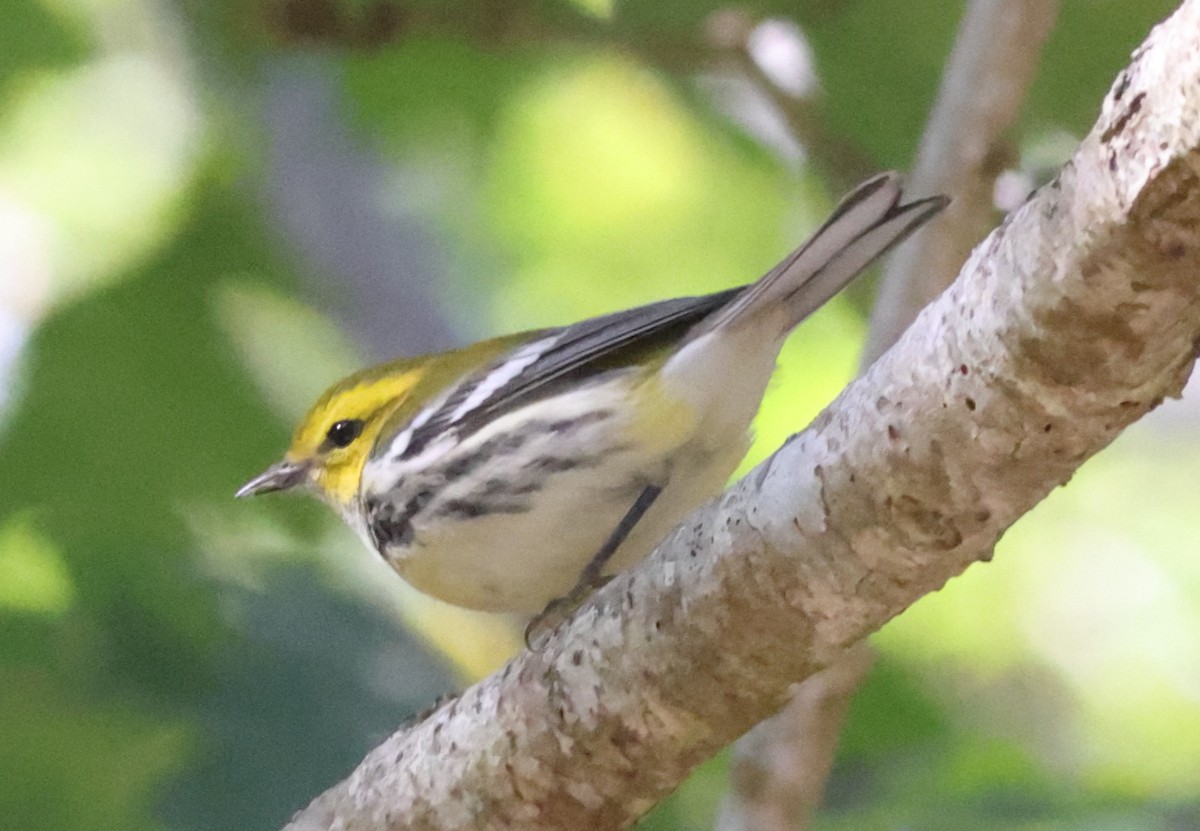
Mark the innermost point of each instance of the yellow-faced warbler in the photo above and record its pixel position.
(523, 469)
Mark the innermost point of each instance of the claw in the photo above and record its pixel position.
(559, 610)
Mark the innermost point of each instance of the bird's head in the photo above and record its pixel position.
(334, 440)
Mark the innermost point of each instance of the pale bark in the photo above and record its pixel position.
(779, 769)
(1073, 319)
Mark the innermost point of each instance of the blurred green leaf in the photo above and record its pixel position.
(33, 40)
(1090, 44)
(32, 575)
(430, 95)
(880, 62)
(608, 192)
(80, 764)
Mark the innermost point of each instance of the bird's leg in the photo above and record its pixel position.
(592, 577)
(591, 574)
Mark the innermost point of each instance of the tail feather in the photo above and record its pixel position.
(865, 225)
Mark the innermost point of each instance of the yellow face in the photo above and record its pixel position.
(334, 440)
(332, 443)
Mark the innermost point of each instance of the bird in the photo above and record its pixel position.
(523, 471)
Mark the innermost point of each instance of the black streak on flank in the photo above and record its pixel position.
(391, 527)
(555, 464)
(472, 509)
(493, 448)
(466, 464)
(387, 530)
(504, 445)
(503, 487)
(567, 426)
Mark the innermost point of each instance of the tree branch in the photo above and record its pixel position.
(1075, 318)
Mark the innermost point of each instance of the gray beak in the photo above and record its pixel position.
(278, 477)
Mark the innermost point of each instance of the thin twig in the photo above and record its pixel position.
(780, 767)
(964, 148)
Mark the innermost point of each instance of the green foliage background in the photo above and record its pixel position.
(208, 210)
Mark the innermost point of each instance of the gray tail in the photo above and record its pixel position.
(867, 222)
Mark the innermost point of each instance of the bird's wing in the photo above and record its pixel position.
(540, 365)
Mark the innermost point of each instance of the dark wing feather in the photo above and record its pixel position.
(586, 348)
(615, 339)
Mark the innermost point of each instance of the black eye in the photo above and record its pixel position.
(344, 432)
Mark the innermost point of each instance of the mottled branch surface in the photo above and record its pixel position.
(1073, 319)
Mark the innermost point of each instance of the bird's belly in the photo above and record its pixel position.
(514, 562)
(512, 536)
(507, 520)
(519, 562)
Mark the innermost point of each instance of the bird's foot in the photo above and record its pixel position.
(557, 611)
